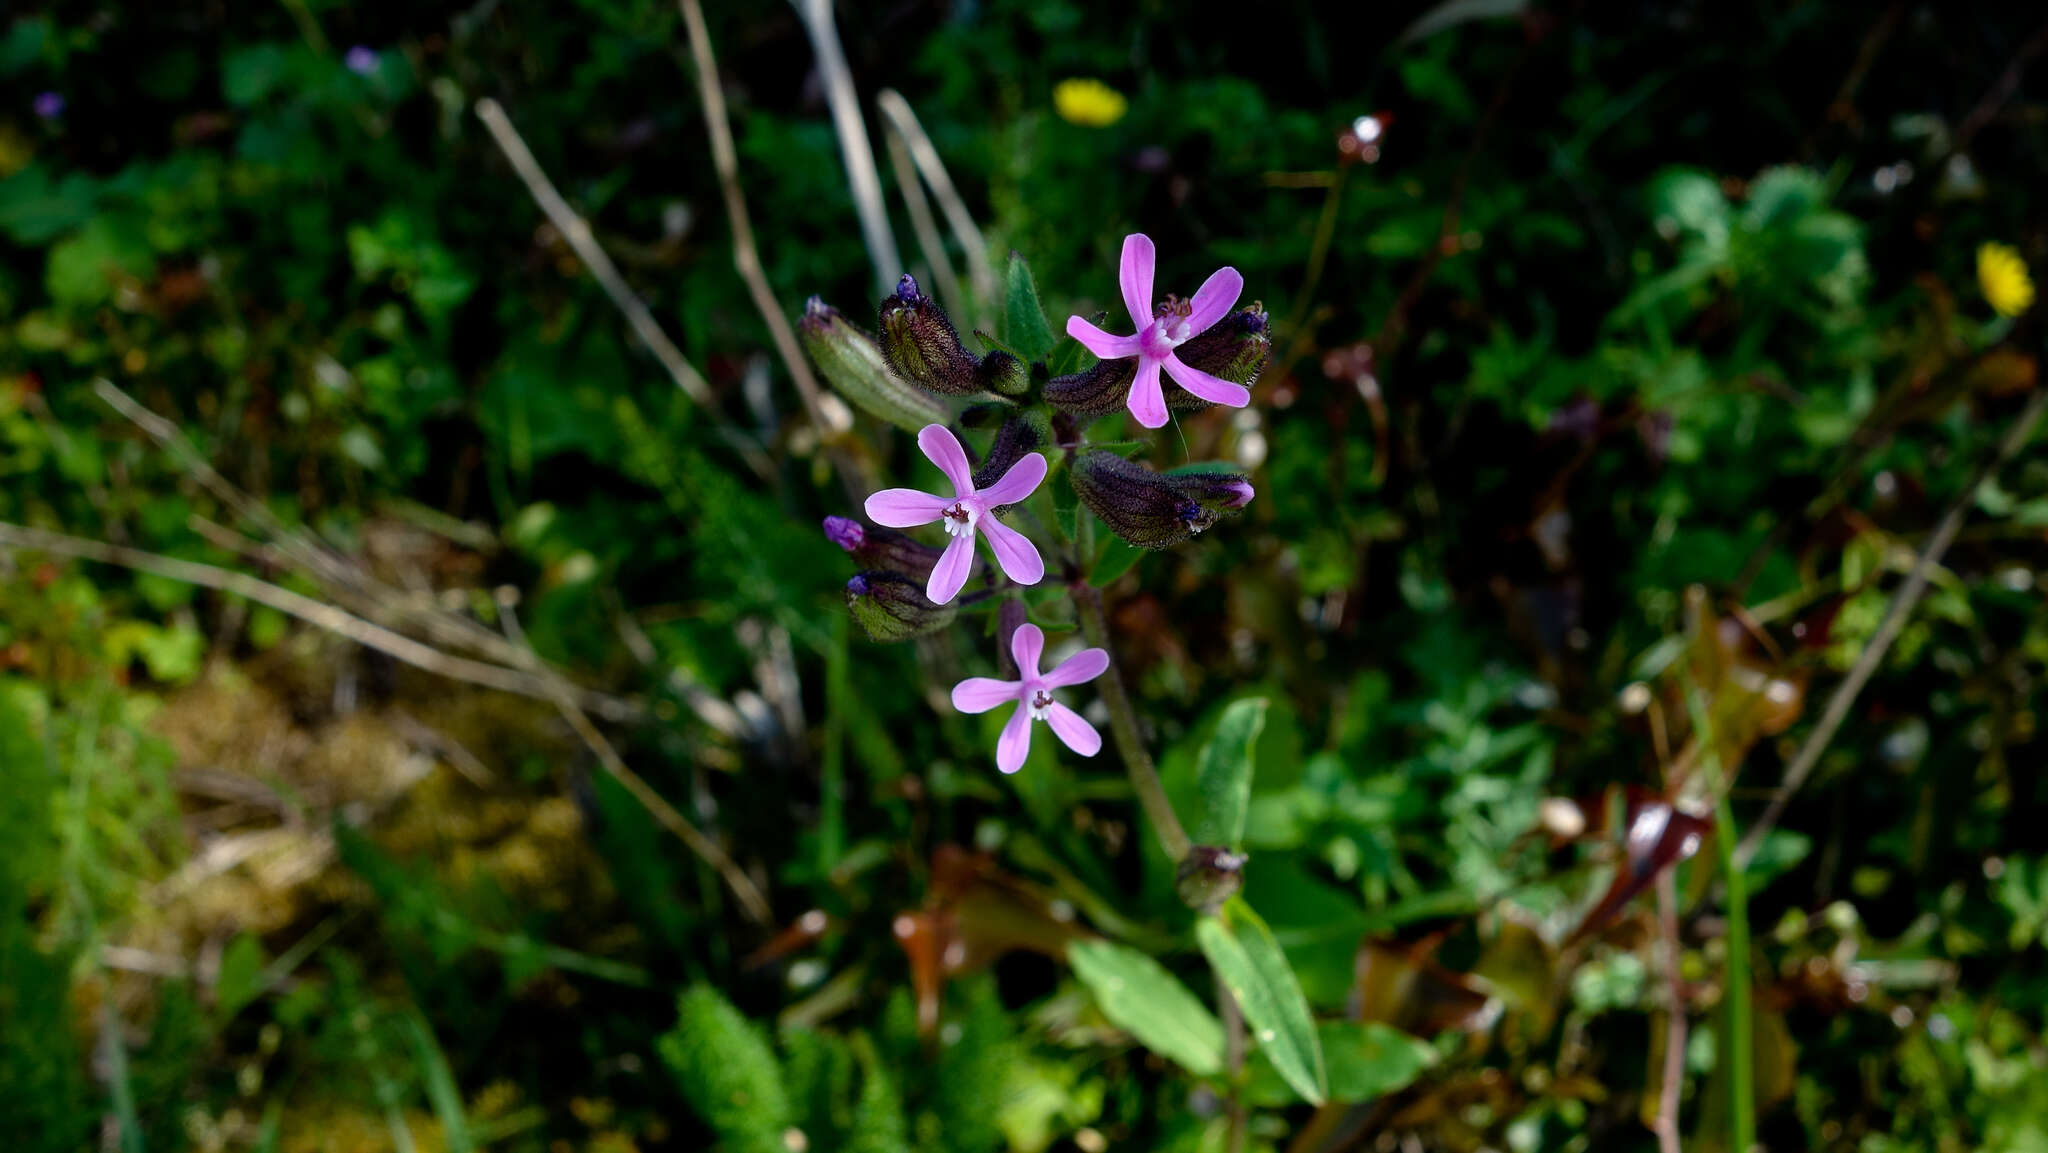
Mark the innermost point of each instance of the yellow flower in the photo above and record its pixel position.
(1088, 102)
(2003, 277)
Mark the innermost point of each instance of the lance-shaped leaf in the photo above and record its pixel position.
(1367, 1060)
(1248, 959)
(1024, 326)
(1140, 997)
(1224, 776)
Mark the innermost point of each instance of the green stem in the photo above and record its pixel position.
(1123, 725)
(1741, 1046)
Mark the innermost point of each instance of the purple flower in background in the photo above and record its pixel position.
(50, 105)
(361, 60)
(965, 512)
(1159, 333)
(1033, 695)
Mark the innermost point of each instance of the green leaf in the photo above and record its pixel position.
(1024, 326)
(1248, 959)
(241, 975)
(1116, 560)
(442, 1091)
(81, 269)
(1140, 997)
(249, 74)
(36, 209)
(1367, 1059)
(1224, 776)
(727, 1072)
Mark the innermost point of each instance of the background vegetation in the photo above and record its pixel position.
(1621, 389)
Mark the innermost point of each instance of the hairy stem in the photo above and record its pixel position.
(1123, 724)
(1233, 1039)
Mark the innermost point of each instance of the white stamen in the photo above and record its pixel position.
(1041, 704)
(959, 519)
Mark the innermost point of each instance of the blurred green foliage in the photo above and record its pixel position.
(1623, 302)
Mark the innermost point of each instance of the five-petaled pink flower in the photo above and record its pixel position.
(1034, 700)
(1159, 333)
(964, 512)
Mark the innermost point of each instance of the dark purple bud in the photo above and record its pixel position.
(1209, 876)
(49, 105)
(1152, 509)
(1218, 488)
(853, 363)
(921, 345)
(1004, 374)
(360, 60)
(845, 532)
(889, 607)
(1235, 348)
(1096, 391)
(883, 550)
(1020, 434)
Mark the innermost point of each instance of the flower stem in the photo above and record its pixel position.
(1123, 724)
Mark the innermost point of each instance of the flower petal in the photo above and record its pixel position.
(1134, 273)
(1147, 401)
(1076, 733)
(1214, 389)
(942, 448)
(1027, 644)
(1014, 551)
(1105, 345)
(1021, 481)
(905, 507)
(980, 694)
(1214, 300)
(950, 574)
(1015, 743)
(1080, 668)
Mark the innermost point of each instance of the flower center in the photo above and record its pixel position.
(959, 519)
(1169, 329)
(1041, 704)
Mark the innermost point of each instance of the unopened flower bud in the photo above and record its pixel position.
(851, 360)
(845, 532)
(1004, 374)
(920, 343)
(1095, 391)
(1235, 348)
(889, 607)
(883, 549)
(986, 415)
(1020, 434)
(1209, 876)
(1156, 510)
(1216, 487)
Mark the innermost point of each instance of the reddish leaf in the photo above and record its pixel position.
(1658, 835)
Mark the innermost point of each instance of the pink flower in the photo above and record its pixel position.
(1034, 700)
(1175, 322)
(963, 513)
